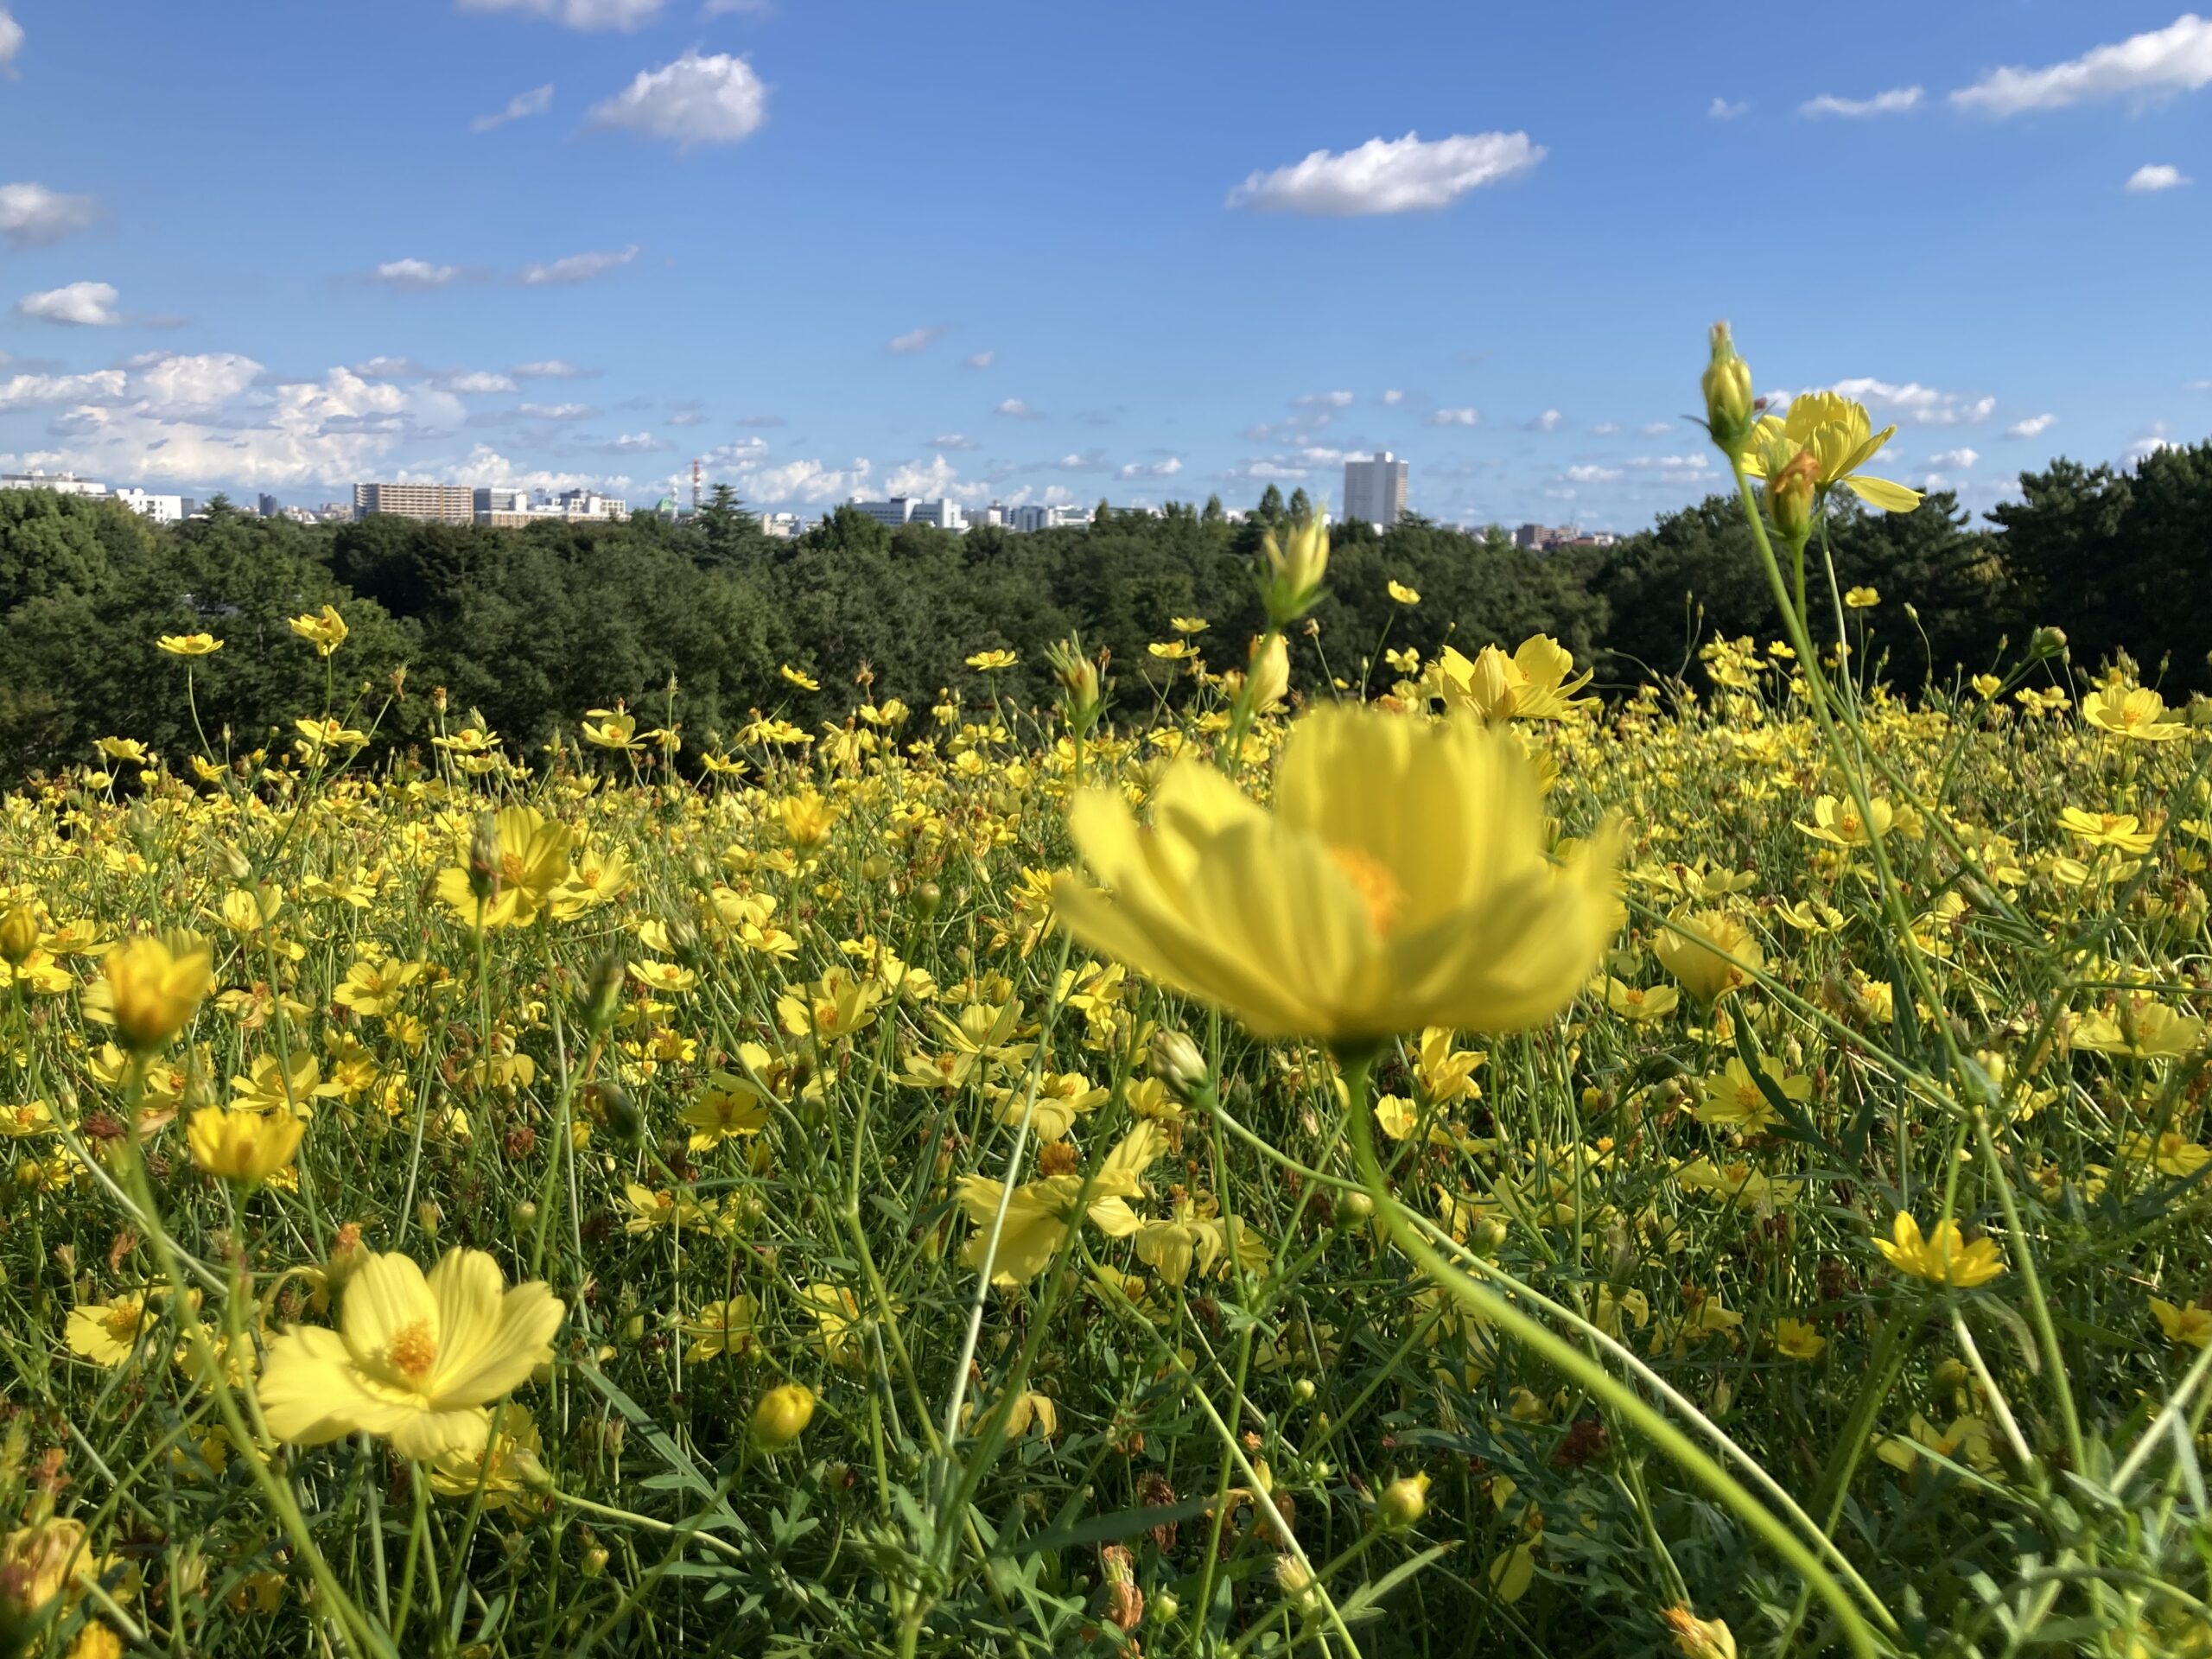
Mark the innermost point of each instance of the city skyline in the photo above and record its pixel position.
(569, 244)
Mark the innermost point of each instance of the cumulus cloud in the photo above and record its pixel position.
(1167, 468)
(1455, 417)
(556, 411)
(2159, 63)
(2034, 427)
(1956, 461)
(1393, 397)
(520, 107)
(695, 100)
(1917, 405)
(981, 360)
(1550, 421)
(1897, 100)
(415, 276)
(577, 268)
(954, 441)
(11, 38)
(31, 215)
(1592, 474)
(1655, 429)
(1014, 409)
(1721, 109)
(551, 368)
(914, 340)
(84, 305)
(808, 481)
(476, 382)
(624, 15)
(2155, 176)
(37, 391)
(1389, 175)
(632, 443)
(1326, 400)
(1606, 429)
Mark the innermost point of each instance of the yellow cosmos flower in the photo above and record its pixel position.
(149, 987)
(1041, 1213)
(189, 645)
(1403, 594)
(2133, 714)
(415, 1358)
(1795, 1339)
(509, 1464)
(799, 678)
(107, 1332)
(616, 728)
(720, 1328)
(1399, 882)
(1735, 1101)
(1839, 822)
(1533, 683)
(2190, 1327)
(1639, 1003)
(1861, 598)
(992, 662)
(1699, 1638)
(528, 856)
(244, 1147)
(325, 630)
(1944, 1258)
(1841, 438)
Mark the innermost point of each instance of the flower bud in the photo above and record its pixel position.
(2046, 642)
(1270, 671)
(484, 860)
(781, 1416)
(1699, 1638)
(1293, 579)
(1355, 1208)
(1728, 400)
(18, 936)
(1177, 1062)
(1403, 1503)
(1789, 496)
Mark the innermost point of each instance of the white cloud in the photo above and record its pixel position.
(1898, 100)
(30, 390)
(740, 451)
(1675, 468)
(758, 420)
(1090, 461)
(521, 106)
(90, 305)
(1325, 400)
(1389, 175)
(807, 481)
(695, 100)
(484, 465)
(1921, 405)
(633, 443)
(1393, 397)
(915, 339)
(938, 479)
(556, 411)
(390, 368)
(2196, 385)
(413, 275)
(2144, 449)
(477, 381)
(625, 15)
(578, 267)
(954, 441)
(735, 8)
(1592, 474)
(2034, 427)
(2161, 61)
(1956, 461)
(551, 368)
(981, 359)
(1655, 429)
(1606, 429)
(1550, 421)
(1455, 417)
(11, 37)
(195, 382)
(2155, 176)
(1014, 409)
(1167, 468)
(1721, 109)
(31, 215)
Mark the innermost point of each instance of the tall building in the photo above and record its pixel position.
(1375, 490)
(270, 506)
(162, 509)
(440, 504)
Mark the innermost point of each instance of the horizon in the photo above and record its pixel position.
(999, 255)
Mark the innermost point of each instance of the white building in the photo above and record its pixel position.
(60, 483)
(783, 526)
(1031, 519)
(162, 509)
(940, 514)
(1375, 490)
(507, 508)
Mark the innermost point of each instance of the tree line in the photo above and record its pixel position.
(530, 627)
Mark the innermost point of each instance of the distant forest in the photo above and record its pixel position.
(533, 627)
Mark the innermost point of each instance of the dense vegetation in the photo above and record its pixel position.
(531, 626)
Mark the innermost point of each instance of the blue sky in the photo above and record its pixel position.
(1030, 250)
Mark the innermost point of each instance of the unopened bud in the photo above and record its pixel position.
(2046, 642)
(781, 1416)
(18, 936)
(1789, 496)
(1728, 411)
(1177, 1062)
(1270, 672)
(1403, 1503)
(484, 858)
(1295, 566)
(602, 993)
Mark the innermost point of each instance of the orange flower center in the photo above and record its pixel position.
(413, 1350)
(1371, 879)
(510, 868)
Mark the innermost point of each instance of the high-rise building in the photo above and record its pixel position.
(271, 507)
(1375, 490)
(440, 504)
(162, 509)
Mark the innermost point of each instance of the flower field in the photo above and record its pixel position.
(1468, 1168)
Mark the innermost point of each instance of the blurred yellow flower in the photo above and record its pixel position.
(1839, 822)
(247, 1147)
(1711, 952)
(1399, 882)
(2190, 1327)
(325, 630)
(1861, 598)
(189, 645)
(1403, 594)
(149, 987)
